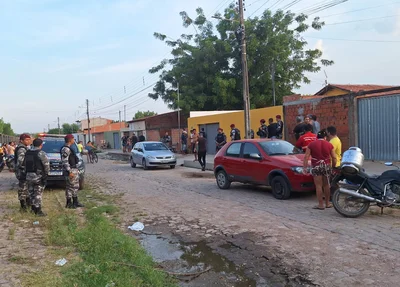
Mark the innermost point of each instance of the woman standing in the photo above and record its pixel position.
(321, 153)
(193, 142)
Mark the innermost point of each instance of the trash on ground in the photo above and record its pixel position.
(137, 226)
(36, 223)
(61, 262)
(112, 284)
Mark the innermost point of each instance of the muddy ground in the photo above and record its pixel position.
(242, 236)
(274, 243)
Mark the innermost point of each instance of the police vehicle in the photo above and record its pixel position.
(52, 145)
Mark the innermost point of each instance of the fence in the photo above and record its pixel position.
(7, 139)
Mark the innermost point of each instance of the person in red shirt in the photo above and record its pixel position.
(321, 152)
(307, 138)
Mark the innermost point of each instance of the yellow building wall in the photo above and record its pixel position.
(237, 118)
(335, 92)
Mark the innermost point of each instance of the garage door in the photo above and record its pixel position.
(379, 128)
(211, 131)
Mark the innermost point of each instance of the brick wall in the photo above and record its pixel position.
(152, 135)
(166, 121)
(337, 111)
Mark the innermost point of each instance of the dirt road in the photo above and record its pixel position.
(279, 242)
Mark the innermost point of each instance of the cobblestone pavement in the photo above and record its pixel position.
(331, 249)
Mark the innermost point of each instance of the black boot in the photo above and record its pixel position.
(33, 209)
(28, 201)
(69, 203)
(23, 205)
(39, 212)
(76, 202)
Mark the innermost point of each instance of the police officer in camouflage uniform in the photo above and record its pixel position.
(20, 151)
(70, 161)
(37, 169)
(262, 130)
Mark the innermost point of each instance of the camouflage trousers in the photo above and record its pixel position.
(23, 192)
(37, 191)
(72, 184)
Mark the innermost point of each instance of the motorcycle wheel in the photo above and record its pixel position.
(341, 202)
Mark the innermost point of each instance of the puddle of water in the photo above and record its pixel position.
(193, 257)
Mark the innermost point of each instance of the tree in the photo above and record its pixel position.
(69, 128)
(5, 128)
(207, 65)
(54, 131)
(144, 114)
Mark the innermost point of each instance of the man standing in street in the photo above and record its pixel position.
(23, 195)
(279, 127)
(202, 150)
(306, 139)
(70, 161)
(220, 139)
(37, 169)
(316, 125)
(134, 139)
(336, 142)
(272, 128)
(166, 139)
(235, 133)
(204, 133)
(262, 130)
(184, 138)
(299, 128)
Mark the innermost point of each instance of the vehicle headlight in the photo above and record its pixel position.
(299, 169)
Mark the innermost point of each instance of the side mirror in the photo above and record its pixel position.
(139, 150)
(255, 156)
(389, 163)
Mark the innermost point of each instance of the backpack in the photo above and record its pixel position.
(237, 134)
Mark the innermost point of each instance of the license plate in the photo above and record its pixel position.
(55, 173)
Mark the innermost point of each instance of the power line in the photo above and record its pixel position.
(357, 10)
(354, 40)
(362, 20)
(265, 3)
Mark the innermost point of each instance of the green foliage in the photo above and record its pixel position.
(144, 114)
(69, 128)
(207, 64)
(55, 131)
(5, 128)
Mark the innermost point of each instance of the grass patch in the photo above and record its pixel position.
(11, 233)
(93, 246)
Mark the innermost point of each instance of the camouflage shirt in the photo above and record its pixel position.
(20, 155)
(65, 154)
(42, 171)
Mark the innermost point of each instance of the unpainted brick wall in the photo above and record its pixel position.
(330, 111)
(152, 135)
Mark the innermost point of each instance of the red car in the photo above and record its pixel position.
(269, 162)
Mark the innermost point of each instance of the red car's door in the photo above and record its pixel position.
(231, 160)
(253, 169)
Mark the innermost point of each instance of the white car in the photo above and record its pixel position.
(152, 154)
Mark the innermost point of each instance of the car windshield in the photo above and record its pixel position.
(154, 146)
(278, 148)
(54, 146)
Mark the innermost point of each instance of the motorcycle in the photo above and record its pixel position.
(353, 198)
(2, 163)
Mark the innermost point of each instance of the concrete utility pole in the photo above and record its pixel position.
(179, 119)
(124, 113)
(58, 121)
(246, 93)
(88, 118)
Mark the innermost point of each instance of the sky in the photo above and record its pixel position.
(55, 54)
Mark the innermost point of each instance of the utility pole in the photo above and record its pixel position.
(179, 119)
(120, 123)
(273, 68)
(245, 73)
(58, 120)
(124, 113)
(88, 118)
